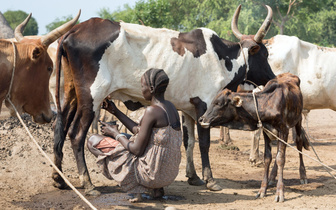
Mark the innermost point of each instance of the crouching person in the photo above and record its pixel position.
(149, 160)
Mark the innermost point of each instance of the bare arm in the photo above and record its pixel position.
(129, 123)
(139, 145)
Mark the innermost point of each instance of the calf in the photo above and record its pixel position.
(279, 108)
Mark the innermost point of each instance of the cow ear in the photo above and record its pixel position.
(237, 101)
(254, 49)
(36, 53)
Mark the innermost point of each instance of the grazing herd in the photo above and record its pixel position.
(101, 58)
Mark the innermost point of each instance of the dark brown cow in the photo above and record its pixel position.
(279, 107)
(28, 62)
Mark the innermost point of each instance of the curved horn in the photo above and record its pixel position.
(19, 29)
(234, 23)
(60, 31)
(265, 26)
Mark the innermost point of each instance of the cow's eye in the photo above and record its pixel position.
(50, 69)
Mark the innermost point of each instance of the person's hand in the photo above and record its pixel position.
(108, 129)
(109, 106)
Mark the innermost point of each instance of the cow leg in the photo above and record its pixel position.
(204, 145)
(254, 153)
(267, 160)
(94, 125)
(224, 135)
(189, 143)
(280, 160)
(77, 136)
(274, 173)
(63, 123)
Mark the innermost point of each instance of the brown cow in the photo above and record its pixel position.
(30, 66)
(279, 107)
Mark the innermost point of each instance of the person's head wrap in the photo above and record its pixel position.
(157, 80)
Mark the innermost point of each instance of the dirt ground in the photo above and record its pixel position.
(25, 175)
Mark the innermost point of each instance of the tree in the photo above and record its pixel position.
(58, 22)
(284, 10)
(14, 18)
(312, 21)
(126, 14)
(154, 13)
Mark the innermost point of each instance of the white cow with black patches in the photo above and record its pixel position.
(108, 58)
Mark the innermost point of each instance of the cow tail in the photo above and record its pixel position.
(59, 133)
(304, 138)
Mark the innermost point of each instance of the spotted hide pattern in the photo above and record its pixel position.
(101, 58)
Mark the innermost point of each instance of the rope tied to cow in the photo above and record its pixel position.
(308, 131)
(247, 67)
(34, 140)
(281, 140)
(13, 71)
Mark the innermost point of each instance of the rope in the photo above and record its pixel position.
(50, 161)
(256, 107)
(247, 67)
(265, 129)
(307, 128)
(12, 78)
(38, 146)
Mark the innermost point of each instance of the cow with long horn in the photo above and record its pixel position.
(108, 58)
(25, 69)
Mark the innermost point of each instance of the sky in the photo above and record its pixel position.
(46, 11)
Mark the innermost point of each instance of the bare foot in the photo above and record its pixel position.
(137, 198)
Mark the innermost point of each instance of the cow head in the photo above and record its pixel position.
(257, 68)
(221, 110)
(33, 67)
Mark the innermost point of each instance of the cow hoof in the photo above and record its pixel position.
(279, 199)
(60, 185)
(213, 186)
(196, 181)
(255, 163)
(260, 195)
(304, 181)
(59, 181)
(92, 192)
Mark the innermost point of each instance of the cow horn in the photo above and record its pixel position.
(265, 26)
(234, 23)
(19, 29)
(60, 31)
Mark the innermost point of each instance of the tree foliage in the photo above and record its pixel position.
(14, 18)
(58, 22)
(312, 21)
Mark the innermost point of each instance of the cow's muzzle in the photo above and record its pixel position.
(202, 122)
(42, 118)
